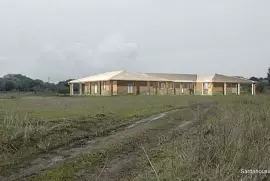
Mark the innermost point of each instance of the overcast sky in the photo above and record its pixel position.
(64, 39)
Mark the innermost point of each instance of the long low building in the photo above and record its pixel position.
(123, 82)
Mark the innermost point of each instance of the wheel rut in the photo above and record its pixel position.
(60, 155)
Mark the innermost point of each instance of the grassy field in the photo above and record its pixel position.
(33, 124)
(233, 135)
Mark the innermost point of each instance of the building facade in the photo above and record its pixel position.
(130, 83)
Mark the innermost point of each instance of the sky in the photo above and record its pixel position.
(63, 39)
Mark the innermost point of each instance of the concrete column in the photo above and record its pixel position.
(80, 88)
(167, 88)
(114, 87)
(90, 88)
(134, 88)
(173, 89)
(71, 89)
(181, 88)
(100, 87)
(155, 87)
(85, 89)
(238, 89)
(225, 88)
(210, 88)
(202, 87)
(148, 86)
(194, 88)
(111, 87)
(158, 88)
(253, 90)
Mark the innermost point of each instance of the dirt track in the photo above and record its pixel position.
(121, 165)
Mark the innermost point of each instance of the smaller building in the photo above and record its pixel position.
(123, 82)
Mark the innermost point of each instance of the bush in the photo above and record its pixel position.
(260, 88)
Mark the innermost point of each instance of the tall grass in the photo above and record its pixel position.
(235, 135)
(16, 132)
(31, 125)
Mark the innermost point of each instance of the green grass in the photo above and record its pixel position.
(30, 125)
(89, 162)
(109, 149)
(234, 135)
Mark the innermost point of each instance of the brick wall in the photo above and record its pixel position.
(122, 87)
(198, 88)
(218, 88)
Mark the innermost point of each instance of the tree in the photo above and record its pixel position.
(63, 87)
(260, 87)
(22, 83)
(2, 84)
(254, 79)
(36, 85)
(9, 85)
(268, 75)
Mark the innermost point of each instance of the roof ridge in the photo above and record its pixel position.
(169, 73)
(114, 73)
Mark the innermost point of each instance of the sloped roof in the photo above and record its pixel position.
(201, 78)
(230, 79)
(176, 77)
(137, 77)
(99, 77)
(205, 78)
(132, 76)
(119, 75)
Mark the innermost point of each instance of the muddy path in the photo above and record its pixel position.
(119, 165)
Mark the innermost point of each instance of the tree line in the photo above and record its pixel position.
(21, 83)
(263, 82)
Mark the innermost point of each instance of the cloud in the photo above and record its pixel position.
(110, 44)
(73, 60)
(61, 62)
(64, 38)
(3, 60)
(115, 52)
(118, 44)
